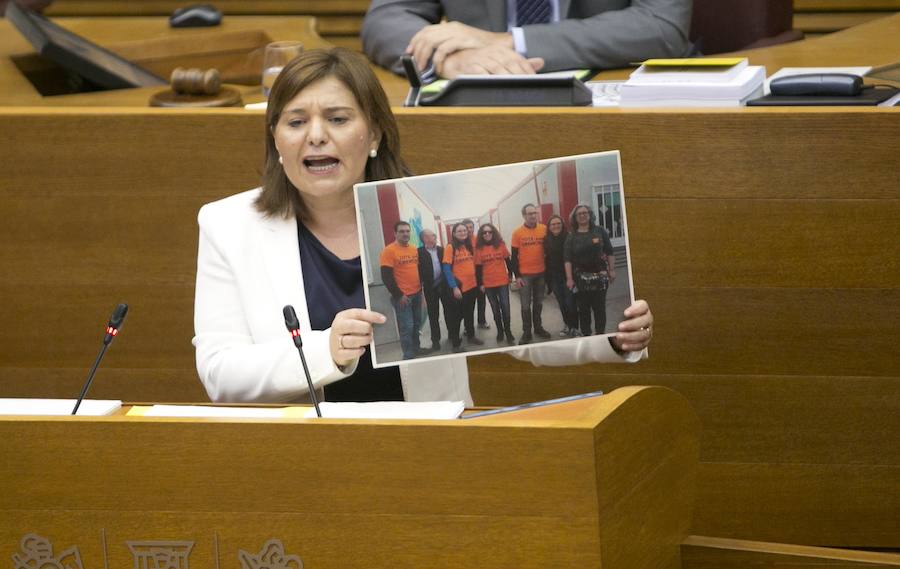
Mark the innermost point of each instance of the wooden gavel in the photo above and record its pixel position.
(195, 81)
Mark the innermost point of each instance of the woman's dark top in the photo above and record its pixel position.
(584, 250)
(333, 285)
(553, 253)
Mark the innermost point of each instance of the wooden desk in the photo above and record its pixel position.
(338, 21)
(341, 22)
(235, 47)
(874, 43)
(607, 482)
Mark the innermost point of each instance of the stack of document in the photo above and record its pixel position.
(59, 407)
(698, 82)
(374, 410)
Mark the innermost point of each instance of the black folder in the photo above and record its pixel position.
(868, 97)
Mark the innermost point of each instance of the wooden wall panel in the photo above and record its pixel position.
(763, 331)
(840, 505)
(112, 220)
(162, 383)
(764, 240)
(827, 16)
(690, 154)
(753, 243)
(745, 418)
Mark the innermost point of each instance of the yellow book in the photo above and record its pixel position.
(692, 70)
(695, 62)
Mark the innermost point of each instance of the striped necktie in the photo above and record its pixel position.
(532, 12)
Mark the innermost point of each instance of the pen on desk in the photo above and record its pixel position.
(532, 405)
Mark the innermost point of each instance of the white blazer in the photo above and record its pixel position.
(248, 269)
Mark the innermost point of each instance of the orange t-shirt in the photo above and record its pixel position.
(463, 268)
(530, 243)
(493, 264)
(405, 262)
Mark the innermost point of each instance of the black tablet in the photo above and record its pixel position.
(78, 55)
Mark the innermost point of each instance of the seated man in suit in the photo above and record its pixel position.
(524, 36)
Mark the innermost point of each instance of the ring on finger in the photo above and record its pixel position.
(341, 341)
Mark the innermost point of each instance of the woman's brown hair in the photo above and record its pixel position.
(457, 244)
(279, 197)
(496, 240)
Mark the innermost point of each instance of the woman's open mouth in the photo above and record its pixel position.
(321, 164)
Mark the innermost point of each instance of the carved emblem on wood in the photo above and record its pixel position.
(37, 553)
(271, 556)
(161, 554)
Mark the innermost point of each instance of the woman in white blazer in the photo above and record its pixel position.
(329, 126)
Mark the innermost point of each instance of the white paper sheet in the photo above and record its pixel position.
(390, 410)
(212, 411)
(58, 407)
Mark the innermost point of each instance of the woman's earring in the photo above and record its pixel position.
(281, 160)
(373, 153)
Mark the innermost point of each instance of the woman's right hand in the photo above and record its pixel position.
(457, 294)
(351, 332)
(570, 284)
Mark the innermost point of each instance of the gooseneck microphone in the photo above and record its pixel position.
(112, 330)
(293, 326)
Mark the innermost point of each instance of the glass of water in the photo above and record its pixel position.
(277, 55)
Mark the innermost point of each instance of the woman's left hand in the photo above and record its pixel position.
(636, 330)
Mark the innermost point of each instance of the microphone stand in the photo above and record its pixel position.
(112, 329)
(293, 325)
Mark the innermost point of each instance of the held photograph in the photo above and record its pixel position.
(495, 259)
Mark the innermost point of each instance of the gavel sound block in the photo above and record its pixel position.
(196, 88)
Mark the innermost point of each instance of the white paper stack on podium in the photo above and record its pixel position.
(61, 407)
(390, 410)
(720, 82)
(330, 410)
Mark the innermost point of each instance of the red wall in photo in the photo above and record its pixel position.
(546, 211)
(568, 188)
(390, 210)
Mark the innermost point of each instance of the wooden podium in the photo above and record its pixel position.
(601, 482)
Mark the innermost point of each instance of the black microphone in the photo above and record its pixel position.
(115, 322)
(293, 326)
(112, 330)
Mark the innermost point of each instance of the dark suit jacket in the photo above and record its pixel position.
(426, 270)
(592, 34)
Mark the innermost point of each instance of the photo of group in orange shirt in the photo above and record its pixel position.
(495, 259)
